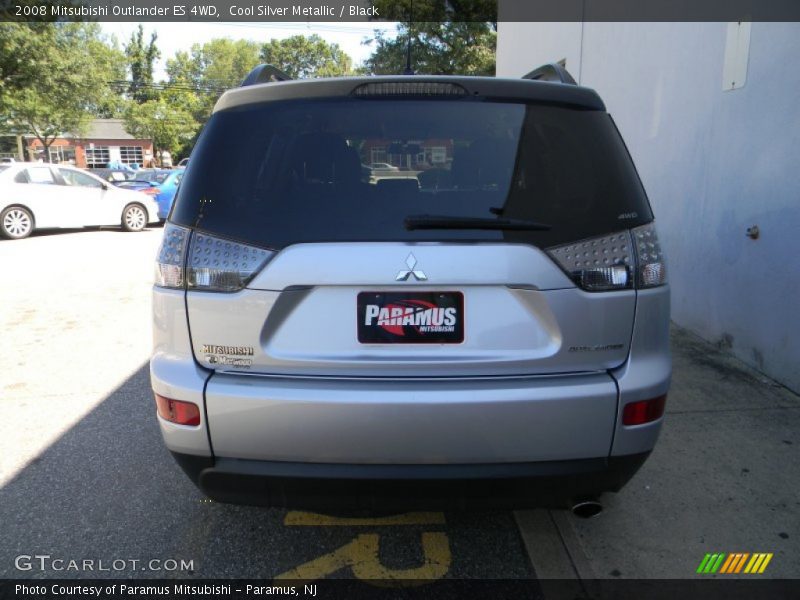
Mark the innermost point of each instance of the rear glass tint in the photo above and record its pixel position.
(281, 173)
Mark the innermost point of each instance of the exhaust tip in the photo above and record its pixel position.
(586, 509)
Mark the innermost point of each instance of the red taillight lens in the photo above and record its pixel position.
(153, 191)
(643, 411)
(177, 411)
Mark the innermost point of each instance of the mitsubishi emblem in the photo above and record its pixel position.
(411, 262)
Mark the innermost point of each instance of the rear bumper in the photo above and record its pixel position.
(408, 487)
(433, 422)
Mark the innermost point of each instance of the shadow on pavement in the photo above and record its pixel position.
(108, 490)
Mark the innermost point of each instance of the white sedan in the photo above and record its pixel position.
(43, 196)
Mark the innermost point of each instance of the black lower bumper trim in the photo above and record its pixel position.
(408, 487)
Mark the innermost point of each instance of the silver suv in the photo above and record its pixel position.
(486, 324)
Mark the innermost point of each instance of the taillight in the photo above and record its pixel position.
(598, 264)
(618, 261)
(198, 261)
(643, 411)
(178, 411)
(152, 191)
(220, 265)
(651, 269)
(171, 259)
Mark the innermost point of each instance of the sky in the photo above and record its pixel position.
(180, 36)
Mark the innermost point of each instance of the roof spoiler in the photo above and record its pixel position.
(551, 72)
(265, 74)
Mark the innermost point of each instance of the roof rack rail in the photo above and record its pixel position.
(551, 72)
(265, 74)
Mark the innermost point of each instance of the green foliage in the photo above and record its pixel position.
(168, 125)
(141, 57)
(57, 79)
(20, 61)
(458, 48)
(301, 57)
(457, 37)
(197, 78)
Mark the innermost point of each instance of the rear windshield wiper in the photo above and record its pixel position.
(414, 222)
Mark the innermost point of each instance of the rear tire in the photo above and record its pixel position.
(16, 223)
(134, 217)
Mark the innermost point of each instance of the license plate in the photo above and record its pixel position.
(410, 318)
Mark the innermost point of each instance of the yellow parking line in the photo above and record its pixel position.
(301, 518)
(361, 556)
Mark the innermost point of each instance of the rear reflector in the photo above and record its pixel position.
(177, 411)
(643, 411)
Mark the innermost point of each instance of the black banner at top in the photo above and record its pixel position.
(399, 10)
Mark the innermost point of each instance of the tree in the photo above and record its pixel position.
(457, 37)
(167, 125)
(436, 49)
(210, 69)
(301, 57)
(109, 64)
(66, 84)
(20, 55)
(141, 57)
(196, 79)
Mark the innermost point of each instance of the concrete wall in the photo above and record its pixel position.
(713, 162)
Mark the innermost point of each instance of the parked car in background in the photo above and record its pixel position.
(114, 175)
(43, 196)
(161, 184)
(384, 167)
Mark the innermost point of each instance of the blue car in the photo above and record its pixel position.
(161, 184)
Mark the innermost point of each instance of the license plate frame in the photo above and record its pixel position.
(435, 317)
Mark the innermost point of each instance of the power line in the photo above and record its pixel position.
(164, 86)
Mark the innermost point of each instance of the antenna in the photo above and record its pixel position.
(409, 70)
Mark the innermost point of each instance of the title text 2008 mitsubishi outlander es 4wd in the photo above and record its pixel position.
(487, 324)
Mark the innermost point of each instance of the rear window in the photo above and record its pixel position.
(349, 169)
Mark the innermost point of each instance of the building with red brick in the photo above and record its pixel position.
(106, 141)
